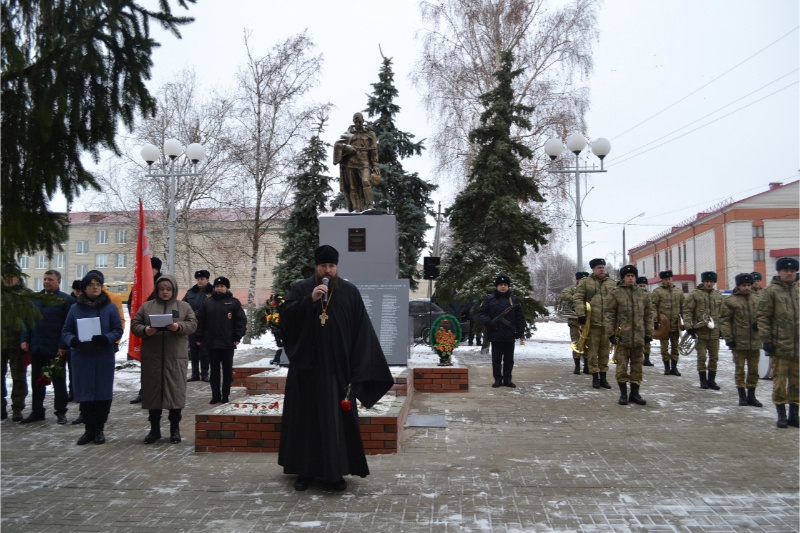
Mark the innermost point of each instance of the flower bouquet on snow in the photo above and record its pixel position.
(445, 344)
(52, 370)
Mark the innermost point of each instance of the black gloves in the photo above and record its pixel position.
(75, 342)
(755, 327)
(581, 320)
(692, 333)
(100, 341)
(655, 324)
(612, 339)
(731, 344)
(648, 339)
(769, 348)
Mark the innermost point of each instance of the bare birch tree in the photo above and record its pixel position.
(273, 121)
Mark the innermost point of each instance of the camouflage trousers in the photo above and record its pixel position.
(19, 378)
(674, 339)
(751, 357)
(785, 381)
(574, 335)
(647, 348)
(710, 347)
(629, 356)
(598, 351)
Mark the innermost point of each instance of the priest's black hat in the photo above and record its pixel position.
(326, 254)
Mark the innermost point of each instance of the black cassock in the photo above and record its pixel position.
(318, 438)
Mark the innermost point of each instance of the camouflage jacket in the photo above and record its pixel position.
(737, 320)
(669, 302)
(630, 309)
(566, 305)
(597, 292)
(778, 315)
(699, 303)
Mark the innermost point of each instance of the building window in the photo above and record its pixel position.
(685, 257)
(122, 236)
(679, 256)
(101, 261)
(758, 232)
(685, 287)
(122, 261)
(81, 271)
(38, 284)
(83, 247)
(59, 260)
(23, 261)
(759, 255)
(102, 236)
(41, 261)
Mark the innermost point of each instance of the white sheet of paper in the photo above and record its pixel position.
(160, 321)
(88, 328)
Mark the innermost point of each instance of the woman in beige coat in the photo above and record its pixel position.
(165, 356)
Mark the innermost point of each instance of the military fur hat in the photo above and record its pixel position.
(756, 276)
(581, 275)
(326, 254)
(787, 263)
(665, 274)
(708, 276)
(641, 280)
(11, 269)
(222, 280)
(155, 262)
(594, 262)
(202, 274)
(76, 285)
(744, 278)
(628, 269)
(499, 280)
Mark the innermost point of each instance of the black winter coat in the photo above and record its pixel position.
(220, 322)
(508, 328)
(196, 296)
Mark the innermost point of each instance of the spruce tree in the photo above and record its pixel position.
(300, 235)
(404, 195)
(491, 227)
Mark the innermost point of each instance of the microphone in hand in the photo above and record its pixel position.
(325, 295)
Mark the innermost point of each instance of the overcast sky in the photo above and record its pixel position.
(663, 71)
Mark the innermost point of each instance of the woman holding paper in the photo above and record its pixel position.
(164, 324)
(92, 327)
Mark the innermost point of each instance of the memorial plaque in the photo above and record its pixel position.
(387, 307)
(356, 240)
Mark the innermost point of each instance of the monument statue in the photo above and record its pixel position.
(357, 151)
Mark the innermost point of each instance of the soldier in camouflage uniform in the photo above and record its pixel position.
(641, 281)
(595, 290)
(739, 328)
(758, 288)
(778, 314)
(702, 304)
(566, 306)
(668, 300)
(629, 309)
(12, 354)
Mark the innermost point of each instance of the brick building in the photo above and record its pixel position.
(730, 238)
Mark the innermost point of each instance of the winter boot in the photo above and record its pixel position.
(634, 396)
(751, 400)
(623, 393)
(204, 376)
(674, 368)
(647, 360)
(508, 383)
(703, 381)
(586, 365)
(174, 425)
(712, 383)
(577, 366)
(603, 381)
(497, 383)
(793, 419)
(667, 371)
(155, 426)
(596, 380)
(742, 396)
(782, 422)
(87, 437)
(99, 434)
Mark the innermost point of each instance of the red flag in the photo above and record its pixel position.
(142, 282)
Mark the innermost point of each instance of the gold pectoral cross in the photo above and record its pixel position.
(323, 317)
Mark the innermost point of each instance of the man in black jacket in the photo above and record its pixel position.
(195, 297)
(502, 316)
(221, 324)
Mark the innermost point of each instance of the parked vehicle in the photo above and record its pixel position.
(423, 314)
(121, 288)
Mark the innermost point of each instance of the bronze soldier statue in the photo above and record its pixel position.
(357, 151)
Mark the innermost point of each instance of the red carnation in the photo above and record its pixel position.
(345, 405)
(43, 380)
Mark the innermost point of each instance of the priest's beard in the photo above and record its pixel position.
(333, 281)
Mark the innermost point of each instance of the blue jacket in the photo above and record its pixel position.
(92, 366)
(46, 333)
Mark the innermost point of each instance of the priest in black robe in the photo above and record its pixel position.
(334, 357)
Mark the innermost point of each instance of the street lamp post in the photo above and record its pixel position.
(172, 149)
(575, 144)
(624, 250)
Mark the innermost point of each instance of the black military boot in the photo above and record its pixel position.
(667, 370)
(596, 380)
(742, 396)
(674, 368)
(99, 434)
(712, 377)
(793, 419)
(155, 426)
(703, 381)
(586, 365)
(634, 396)
(623, 393)
(782, 422)
(577, 367)
(174, 426)
(497, 383)
(87, 437)
(647, 360)
(751, 398)
(603, 381)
